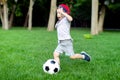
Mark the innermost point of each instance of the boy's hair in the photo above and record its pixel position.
(65, 8)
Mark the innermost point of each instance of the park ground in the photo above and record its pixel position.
(23, 52)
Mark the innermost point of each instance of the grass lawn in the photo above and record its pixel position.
(23, 52)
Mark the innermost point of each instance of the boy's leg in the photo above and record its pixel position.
(77, 56)
(56, 57)
(83, 56)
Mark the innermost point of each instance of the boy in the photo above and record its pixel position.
(64, 37)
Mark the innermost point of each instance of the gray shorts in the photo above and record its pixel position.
(65, 46)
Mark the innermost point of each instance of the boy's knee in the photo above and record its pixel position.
(56, 54)
(72, 57)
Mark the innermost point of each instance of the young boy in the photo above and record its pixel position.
(64, 38)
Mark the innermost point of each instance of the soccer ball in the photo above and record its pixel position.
(51, 66)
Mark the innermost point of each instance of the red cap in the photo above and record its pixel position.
(65, 8)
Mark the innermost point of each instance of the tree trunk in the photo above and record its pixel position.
(30, 14)
(1, 15)
(5, 16)
(12, 16)
(26, 19)
(52, 16)
(101, 18)
(2, 2)
(94, 21)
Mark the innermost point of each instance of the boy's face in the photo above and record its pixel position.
(59, 13)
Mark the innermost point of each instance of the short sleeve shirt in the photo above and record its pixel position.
(63, 29)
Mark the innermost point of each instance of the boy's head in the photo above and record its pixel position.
(64, 8)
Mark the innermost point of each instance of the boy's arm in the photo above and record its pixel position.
(66, 15)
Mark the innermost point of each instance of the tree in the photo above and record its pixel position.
(12, 7)
(5, 8)
(52, 16)
(6, 22)
(94, 19)
(30, 14)
(101, 18)
(1, 12)
(101, 14)
(97, 21)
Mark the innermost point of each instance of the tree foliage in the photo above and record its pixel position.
(115, 5)
(80, 10)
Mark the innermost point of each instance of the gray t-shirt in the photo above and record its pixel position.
(63, 29)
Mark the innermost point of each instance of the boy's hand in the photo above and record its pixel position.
(60, 10)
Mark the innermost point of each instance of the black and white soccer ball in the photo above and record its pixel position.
(51, 66)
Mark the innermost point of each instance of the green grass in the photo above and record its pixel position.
(23, 52)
